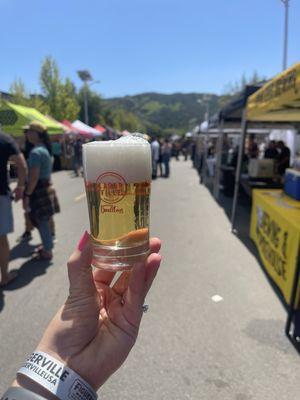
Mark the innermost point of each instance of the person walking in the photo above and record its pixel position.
(155, 148)
(166, 156)
(40, 198)
(56, 152)
(9, 151)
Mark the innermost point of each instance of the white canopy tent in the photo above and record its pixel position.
(84, 127)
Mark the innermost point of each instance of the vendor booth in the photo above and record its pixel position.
(275, 222)
(14, 117)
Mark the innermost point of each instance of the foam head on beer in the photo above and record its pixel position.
(130, 156)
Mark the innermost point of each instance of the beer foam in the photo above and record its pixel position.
(129, 156)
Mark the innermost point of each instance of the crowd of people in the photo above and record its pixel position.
(162, 151)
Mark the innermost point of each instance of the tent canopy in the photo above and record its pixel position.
(13, 117)
(85, 128)
(232, 112)
(100, 128)
(278, 100)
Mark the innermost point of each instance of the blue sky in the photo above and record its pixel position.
(135, 46)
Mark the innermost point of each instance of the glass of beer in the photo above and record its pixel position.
(117, 177)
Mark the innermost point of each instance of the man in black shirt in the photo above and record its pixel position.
(283, 158)
(9, 151)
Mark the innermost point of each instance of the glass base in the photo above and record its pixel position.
(112, 258)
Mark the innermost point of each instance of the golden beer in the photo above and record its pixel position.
(117, 182)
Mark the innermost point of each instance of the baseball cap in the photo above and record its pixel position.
(36, 126)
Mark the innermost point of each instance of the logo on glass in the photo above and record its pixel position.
(113, 187)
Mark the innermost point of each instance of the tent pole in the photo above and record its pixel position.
(239, 170)
(219, 160)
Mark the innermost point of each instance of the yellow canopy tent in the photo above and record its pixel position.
(278, 102)
(13, 117)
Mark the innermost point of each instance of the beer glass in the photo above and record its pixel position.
(117, 177)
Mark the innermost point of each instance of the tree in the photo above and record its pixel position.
(36, 101)
(60, 97)
(95, 107)
(68, 106)
(123, 120)
(19, 93)
(237, 86)
(50, 84)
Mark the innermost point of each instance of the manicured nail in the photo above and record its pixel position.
(83, 241)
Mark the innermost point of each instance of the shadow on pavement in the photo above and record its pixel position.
(21, 250)
(29, 270)
(242, 224)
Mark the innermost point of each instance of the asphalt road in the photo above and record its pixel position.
(190, 347)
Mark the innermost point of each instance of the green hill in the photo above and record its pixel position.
(167, 113)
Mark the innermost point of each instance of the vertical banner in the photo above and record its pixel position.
(275, 229)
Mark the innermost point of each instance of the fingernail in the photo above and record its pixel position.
(83, 241)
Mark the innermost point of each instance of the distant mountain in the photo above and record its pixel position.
(167, 113)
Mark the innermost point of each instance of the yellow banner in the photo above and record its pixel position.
(275, 229)
(278, 100)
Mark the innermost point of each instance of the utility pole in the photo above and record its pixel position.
(286, 32)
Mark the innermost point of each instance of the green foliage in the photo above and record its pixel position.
(95, 106)
(123, 120)
(235, 87)
(50, 84)
(18, 92)
(162, 114)
(60, 96)
(67, 101)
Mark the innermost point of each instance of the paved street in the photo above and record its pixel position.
(190, 347)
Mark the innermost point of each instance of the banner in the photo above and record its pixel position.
(275, 229)
(278, 100)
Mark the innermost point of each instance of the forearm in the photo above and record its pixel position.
(22, 174)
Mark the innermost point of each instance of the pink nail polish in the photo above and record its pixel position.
(83, 240)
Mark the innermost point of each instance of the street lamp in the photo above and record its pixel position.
(286, 28)
(86, 77)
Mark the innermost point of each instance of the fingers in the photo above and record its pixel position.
(152, 267)
(141, 279)
(79, 266)
(155, 245)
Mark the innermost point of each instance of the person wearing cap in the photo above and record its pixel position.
(9, 151)
(40, 198)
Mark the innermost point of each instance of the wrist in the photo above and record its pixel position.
(24, 382)
(46, 375)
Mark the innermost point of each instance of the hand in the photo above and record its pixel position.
(18, 193)
(97, 326)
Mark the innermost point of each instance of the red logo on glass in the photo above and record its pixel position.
(113, 187)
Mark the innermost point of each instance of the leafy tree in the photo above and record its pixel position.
(234, 87)
(123, 120)
(18, 92)
(51, 84)
(95, 106)
(60, 96)
(68, 106)
(38, 102)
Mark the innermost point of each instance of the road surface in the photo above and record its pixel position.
(190, 346)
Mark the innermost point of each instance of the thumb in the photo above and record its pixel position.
(79, 267)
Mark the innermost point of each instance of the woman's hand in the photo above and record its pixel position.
(96, 328)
